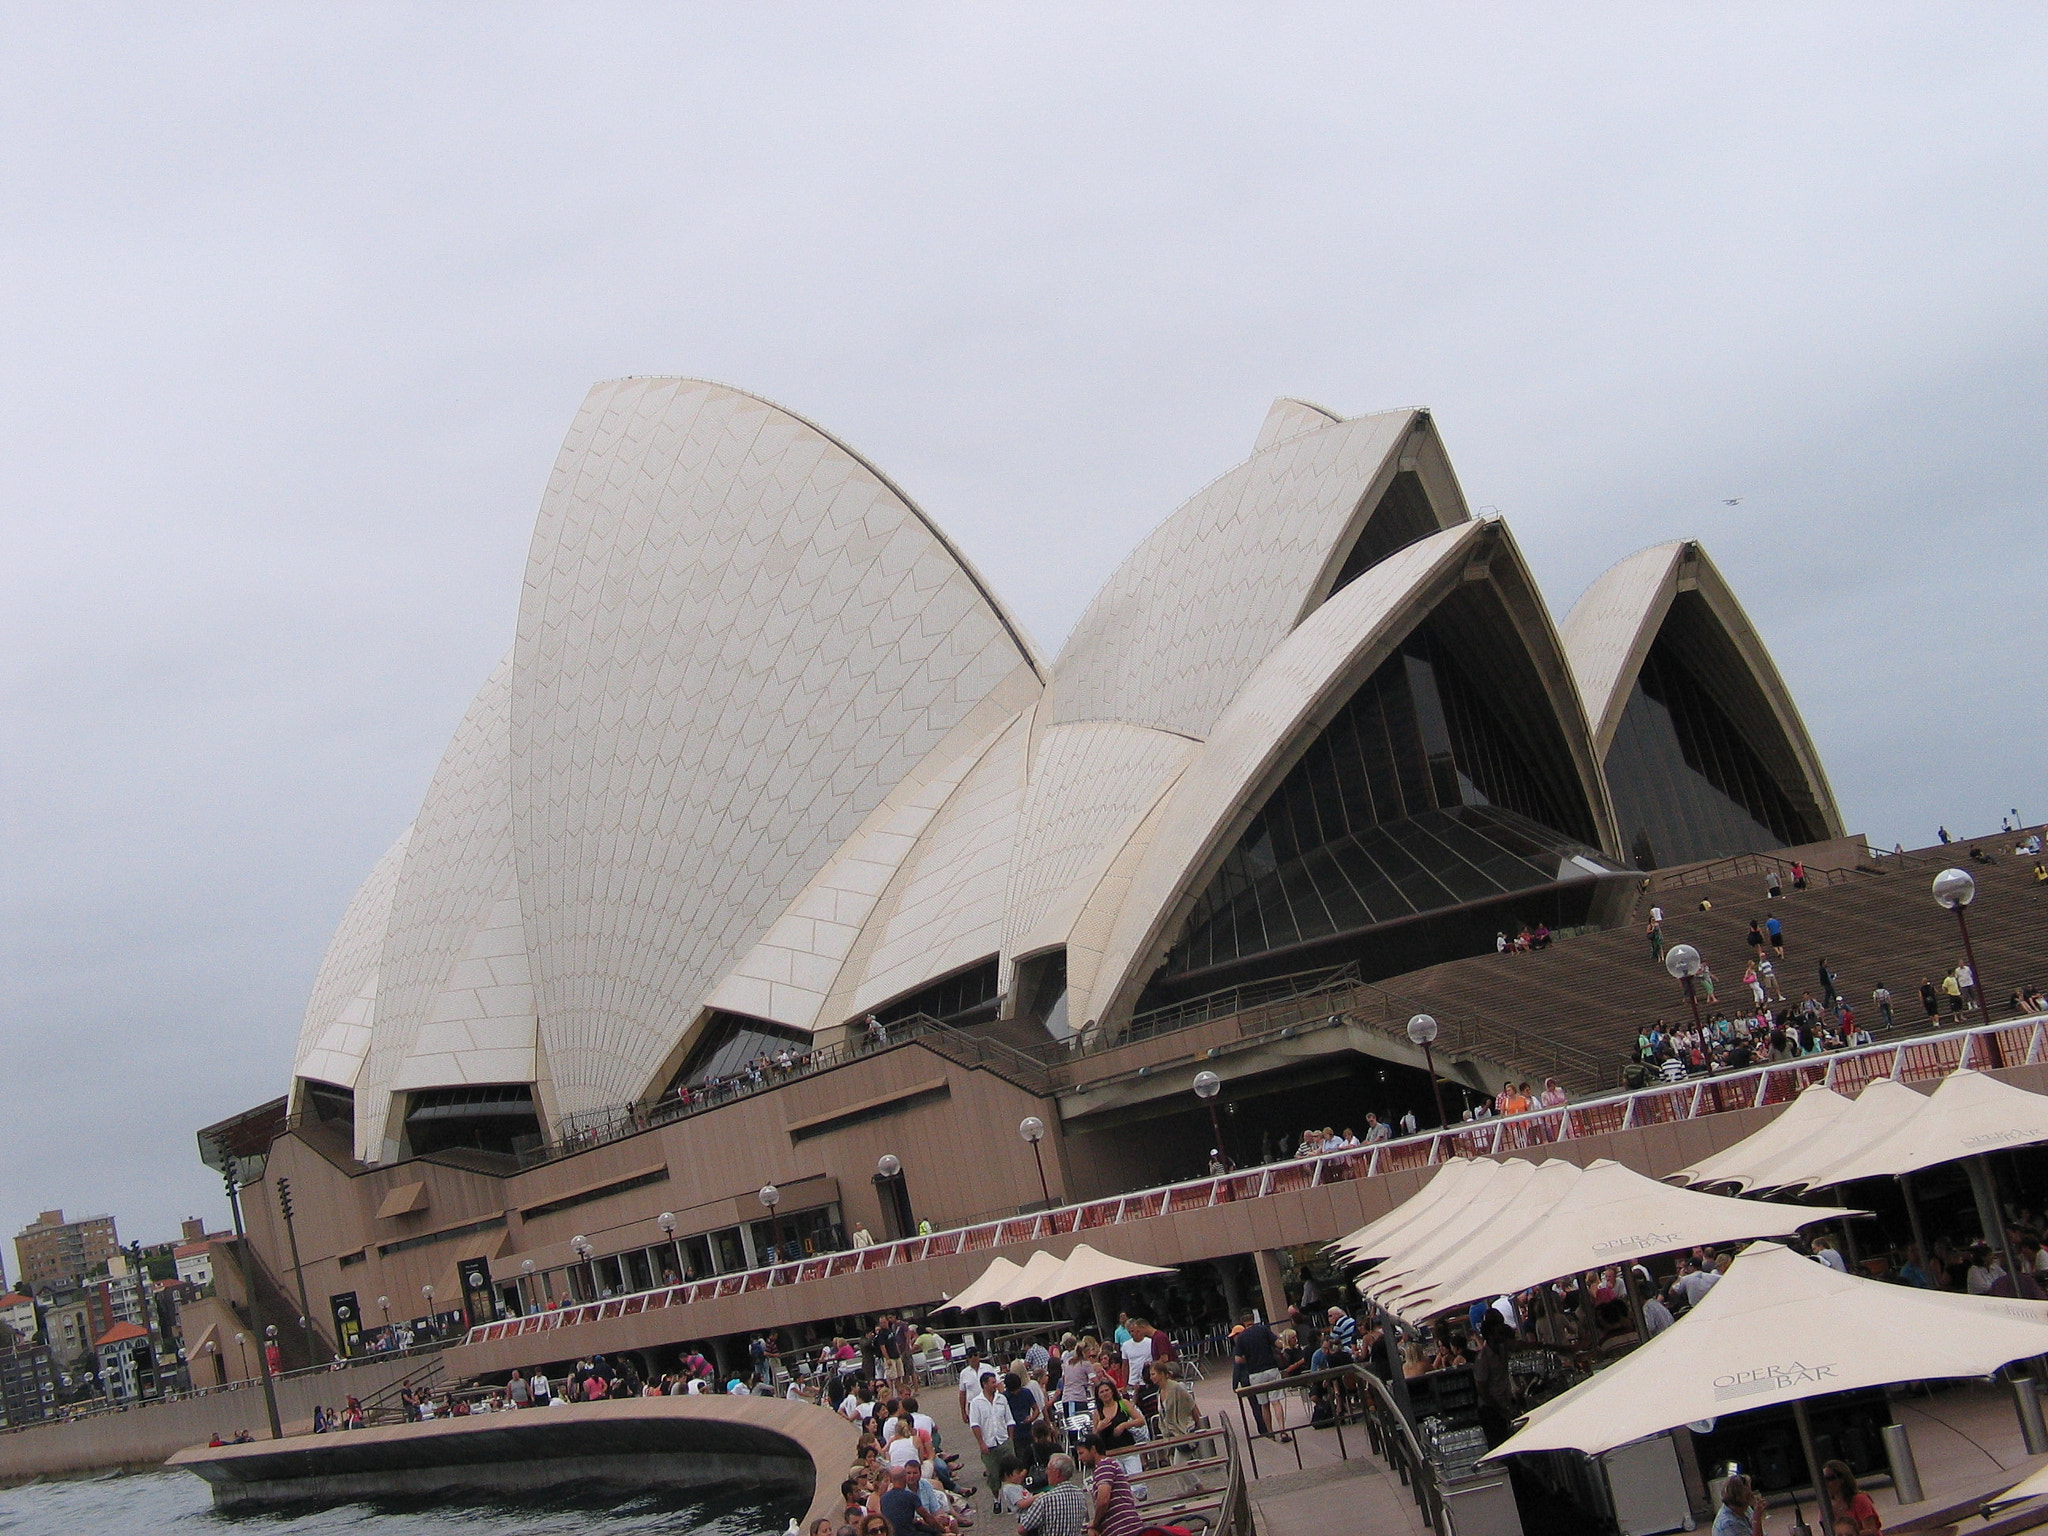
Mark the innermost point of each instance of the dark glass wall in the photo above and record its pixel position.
(1417, 797)
(1402, 516)
(1687, 784)
(498, 1118)
(729, 1042)
(967, 997)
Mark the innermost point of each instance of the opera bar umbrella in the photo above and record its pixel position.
(1753, 1162)
(1447, 1187)
(1030, 1282)
(1086, 1267)
(1775, 1330)
(1872, 1116)
(1969, 1115)
(985, 1288)
(1567, 1220)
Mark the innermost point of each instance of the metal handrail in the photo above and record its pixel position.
(1920, 1058)
(600, 1127)
(1753, 864)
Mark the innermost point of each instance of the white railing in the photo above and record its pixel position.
(1920, 1058)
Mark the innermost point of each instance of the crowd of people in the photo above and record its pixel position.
(1057, 1430)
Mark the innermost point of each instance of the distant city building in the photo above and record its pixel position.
(18, 1316)
(127, 1362)
(53, 1251)
(195, 1262)
(28, 1385)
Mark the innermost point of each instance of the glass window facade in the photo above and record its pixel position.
(966, 997)
(1686, 783)
(1402, 517)
(500, 1118)
(1416, 797)
(728, 1043)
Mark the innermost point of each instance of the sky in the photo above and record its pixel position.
(297, 301)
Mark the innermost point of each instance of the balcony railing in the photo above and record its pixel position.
(1921, 1058)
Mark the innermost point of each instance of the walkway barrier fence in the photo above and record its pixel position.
(1922, 1058)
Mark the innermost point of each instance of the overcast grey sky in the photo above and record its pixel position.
(296, 303)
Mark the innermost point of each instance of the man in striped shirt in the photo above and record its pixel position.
(1116, 1512)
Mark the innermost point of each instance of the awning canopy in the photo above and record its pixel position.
(1032, 1281)
(991, 1280)
(1524, 1224)
(1777, 1328)
(1754, 1161)
(1086, 1266)
(1967, 1115)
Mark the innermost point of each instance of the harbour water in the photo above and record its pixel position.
(178, 1504)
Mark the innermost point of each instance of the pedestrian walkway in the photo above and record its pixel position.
(1325, 1494)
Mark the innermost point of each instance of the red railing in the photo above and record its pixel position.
(1920, 1059)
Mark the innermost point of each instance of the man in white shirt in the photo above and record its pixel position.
(1656, 1317)
(990, 1421)
(1137, 1350)
(1824, 1250)
(539, 1389)
(970, 1380)
(1409, 1124)
(1696, 1282)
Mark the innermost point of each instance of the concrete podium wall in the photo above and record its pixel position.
(144, 1436)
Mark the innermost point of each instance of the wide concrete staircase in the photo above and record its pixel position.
(1874, 922)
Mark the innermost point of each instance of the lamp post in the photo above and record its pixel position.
(284, 1204)
(1422, 1032)
(342, 1314)
(667, 1222)
(526, 1286)
(1955, 889)
(581, 1245)
(1032, 1129)
(895, 1201)
(233, 1181)
(427, 1291)
(270, 1343)
(1683, 962)
(242, 1346)
(1207, 1086)
(384, 1302)
(771, 1197)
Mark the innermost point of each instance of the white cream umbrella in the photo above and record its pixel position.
(1513, 1191)
(1603, 1214)
(1450, 1184)
(998, 1274)
(1086, 1267)
(1969, 1115)
(1029, 1283)
(1875, 1113)
(1756, 1158)
(1778, 1329)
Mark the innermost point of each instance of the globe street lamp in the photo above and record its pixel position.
(1032, 1129)
(1684, 964)
(1207, 1086)
(1422, 1032)
(526, 1285)
(581, 1245)
(385, 1303)
(667, 1222)
(771, 1197)
(428, 1292)
(242, 1347)
(895, 1201)
(1954, 889)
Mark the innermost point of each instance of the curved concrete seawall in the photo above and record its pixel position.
(143, 1436)
(764, 1444)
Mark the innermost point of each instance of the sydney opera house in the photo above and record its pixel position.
(770, 773)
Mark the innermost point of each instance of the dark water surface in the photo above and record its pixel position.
(179, 1504)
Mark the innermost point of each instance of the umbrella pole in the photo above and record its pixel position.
(1635, 1300)
(1905, 1183)
(1820, 1488)
(1997, 1213)
(1848, 1230)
